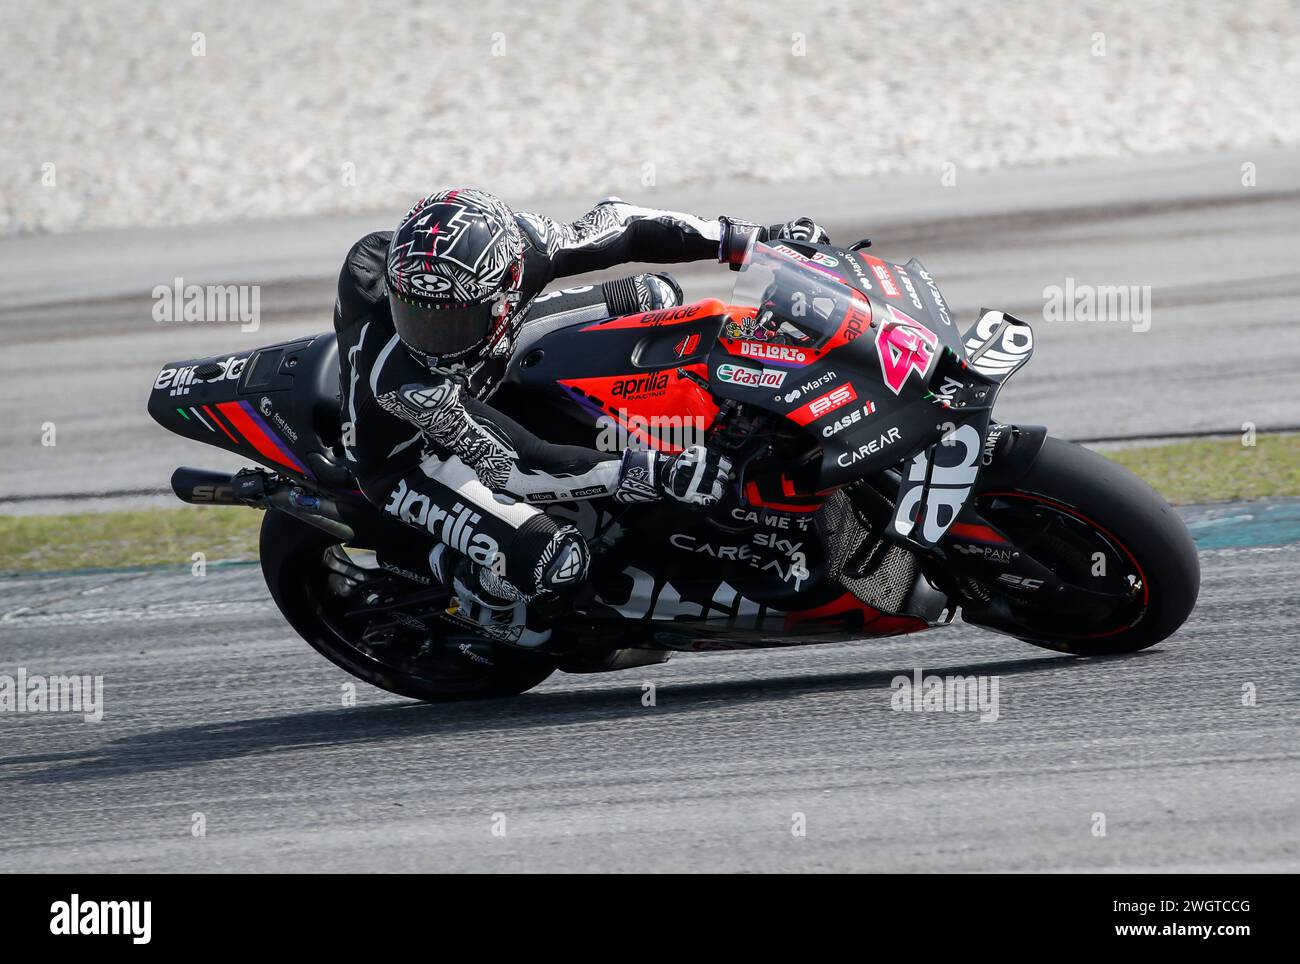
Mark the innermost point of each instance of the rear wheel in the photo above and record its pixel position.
(1095, 525)
(406, 649)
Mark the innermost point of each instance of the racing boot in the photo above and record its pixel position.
(498, 610)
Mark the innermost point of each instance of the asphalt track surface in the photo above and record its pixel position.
(214, 708)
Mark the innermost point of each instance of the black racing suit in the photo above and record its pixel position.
(423, 446)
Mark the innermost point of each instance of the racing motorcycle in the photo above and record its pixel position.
(875, 493)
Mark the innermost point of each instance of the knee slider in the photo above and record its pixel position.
(546, 557)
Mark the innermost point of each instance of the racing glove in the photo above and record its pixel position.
(735, 234)
(800, 229)
(697, 476)
(734, 239)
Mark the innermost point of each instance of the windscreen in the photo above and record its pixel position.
(796, 301)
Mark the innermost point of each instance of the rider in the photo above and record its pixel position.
(427, 318)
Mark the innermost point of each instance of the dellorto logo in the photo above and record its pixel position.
(775, 353)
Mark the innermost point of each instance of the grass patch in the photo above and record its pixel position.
(91, 540)
(1217, 470)
(1184, 473)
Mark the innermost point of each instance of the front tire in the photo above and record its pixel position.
(1090, 493)
(451, 667)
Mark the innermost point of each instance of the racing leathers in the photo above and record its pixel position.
(424, 446)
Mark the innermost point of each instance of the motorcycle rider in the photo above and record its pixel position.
(427, 317)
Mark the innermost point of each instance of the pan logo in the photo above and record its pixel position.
(988, 553)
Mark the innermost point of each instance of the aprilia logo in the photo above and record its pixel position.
(650, 384)
(455, 528)
(180, 380)
(669, 315)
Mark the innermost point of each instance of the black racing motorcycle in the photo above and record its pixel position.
(876, 494)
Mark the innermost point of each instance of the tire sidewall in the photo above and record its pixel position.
(1112, 498)
(291, 551)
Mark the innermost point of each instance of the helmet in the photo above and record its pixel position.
(454, 272)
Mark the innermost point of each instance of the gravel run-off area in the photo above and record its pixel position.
(123, 113)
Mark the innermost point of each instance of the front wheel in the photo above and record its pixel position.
(1095, 525)
(405, 649)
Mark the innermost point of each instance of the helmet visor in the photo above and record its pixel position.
(441, 331)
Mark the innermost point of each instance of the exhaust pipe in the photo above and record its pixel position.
(203, 487)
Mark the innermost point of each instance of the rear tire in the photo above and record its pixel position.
(291, 554)
(1116, 503)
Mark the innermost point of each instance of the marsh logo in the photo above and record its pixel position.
(75, 917)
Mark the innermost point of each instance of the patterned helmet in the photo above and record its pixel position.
(454, 272)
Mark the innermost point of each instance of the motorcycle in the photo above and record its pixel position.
(875, 494)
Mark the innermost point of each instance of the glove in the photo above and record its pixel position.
(696, 476)
(800, 229)
(734, 239)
